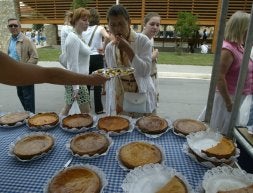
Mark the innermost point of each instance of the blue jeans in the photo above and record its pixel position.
(27, 97)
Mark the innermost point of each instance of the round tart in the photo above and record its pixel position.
(75, 179)
(77, 121)
(175, 185)
(113, 124)
(224, 149)
(152, 124)
(12, 118)
(137, 154)
(89, 144)
(43, 119)
(187, 126)
(32, 146)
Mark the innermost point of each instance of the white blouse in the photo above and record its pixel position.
(78, 55)
(142, 67)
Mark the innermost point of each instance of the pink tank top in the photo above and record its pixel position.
(234, 70)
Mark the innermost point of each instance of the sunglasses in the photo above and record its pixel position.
(13, 25)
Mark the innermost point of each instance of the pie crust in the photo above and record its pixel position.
(224, 149)
(32, 146)
(12, 118)
(43, 119)
(77, 121)
(89, 144)
(248, 189)
(187, 126)
(152, 124)
(175, 185)
(113, 124)
(75, 179)
(136, 154)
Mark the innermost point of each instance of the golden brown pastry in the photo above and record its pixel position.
(77, 180)
(187, 126)
(224, 149)
(13, 118)
(137, 154)
(175, 185)
(43, 119)
(152, 124)
(33, 145)
(248, 189)
(89, 144)
(77, 121)
(113, 123)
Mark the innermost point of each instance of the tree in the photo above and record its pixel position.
(79, 3)
(38, 27)
(186, 28)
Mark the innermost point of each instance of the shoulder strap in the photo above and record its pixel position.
(92, 35)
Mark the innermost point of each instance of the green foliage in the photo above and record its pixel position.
(79, 3)
(186, 25)
(38, 27)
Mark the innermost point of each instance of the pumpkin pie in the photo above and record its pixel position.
(175, 185)
(13, 118)
(75, 179)
(77, 121)
(32, 146)
(187, 126)
(225, 148)
(152, 124)
(89, 144)
(43, 119)
(137, 154)
(113, 124)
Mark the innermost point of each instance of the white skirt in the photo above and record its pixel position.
(220, 117)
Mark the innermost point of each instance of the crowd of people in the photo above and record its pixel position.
(89, 47)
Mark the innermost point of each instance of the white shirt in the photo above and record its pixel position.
(204, 49)
(78, 54)
(64, 33)
(141, 63)
(97, 40)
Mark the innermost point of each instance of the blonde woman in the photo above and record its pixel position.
(230, 63)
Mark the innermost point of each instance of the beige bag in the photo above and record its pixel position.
(135, 102)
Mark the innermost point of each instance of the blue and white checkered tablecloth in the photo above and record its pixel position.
(20, 177)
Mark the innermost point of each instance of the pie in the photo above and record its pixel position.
(152, 124)
(75, 179)
(248, 189)
(175, 185)
(43, 119)
(33, 145)
(13, 118)
(187, 126)
(113, 124)
(137, 154)
(77, 121)
(224, 149)
(89, 144)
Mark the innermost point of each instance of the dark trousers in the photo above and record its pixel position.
(96, 62)
(27, 97)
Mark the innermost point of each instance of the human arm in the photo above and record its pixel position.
(225, 63)
(33, 56)
(155, 54)
(18, 74)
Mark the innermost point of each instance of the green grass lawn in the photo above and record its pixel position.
(52, 54)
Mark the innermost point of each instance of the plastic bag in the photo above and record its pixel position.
(244, 111)
(74, 108)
